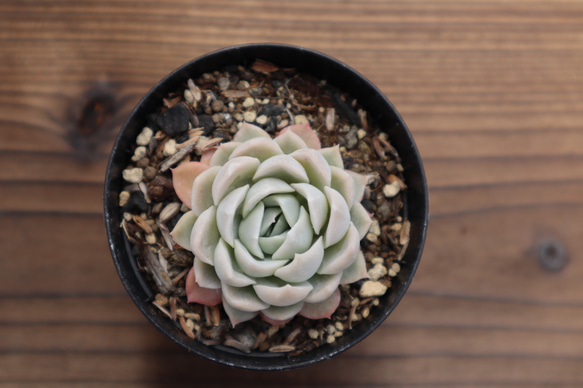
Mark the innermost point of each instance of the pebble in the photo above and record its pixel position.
(139, 153)
(224, 83)
(365, 312)
(368, 205)
(377, 260)
(217, 117)
(330, 339)
(395, 269)
(261, 120)
(137, 202)
(250, 116)
(372, 288)
(170, 147)
(150, 173)
(144, 137)
(330, 119)
(282, 124)
(174, 121)
(377, 272)
(375, 228)
(188, 96)
(272, 110)
(391, 189)
(372, 237)
(217, 105)
(248, 102)
(143, 163)
(256, 91)
(301, 119)
(313, 333)
(270, 128)
(361, 133)
(350, 139)
(243, 85)
(151, 238)
(238, 116)
(207, 123)
(133, 175)
(124, 197)
(385, 211)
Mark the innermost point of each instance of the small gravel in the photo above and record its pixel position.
(250, 116)
(372, 288)
(223, 83)
(377, 272)
(133, 175)
(391, 189)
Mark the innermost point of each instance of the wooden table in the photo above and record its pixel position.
(492, 92)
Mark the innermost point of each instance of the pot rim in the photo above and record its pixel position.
(382, 113)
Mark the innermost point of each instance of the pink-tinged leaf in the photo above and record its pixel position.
(197, 294)
(323, 309)
(273, 322)
(306, 133)
(182, 178)
(207, 154)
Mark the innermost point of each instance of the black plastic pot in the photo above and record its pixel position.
(383, 115)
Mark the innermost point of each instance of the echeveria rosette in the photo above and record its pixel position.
(275, 225)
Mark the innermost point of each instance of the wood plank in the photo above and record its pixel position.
(257, 21)
(50, 310)
(69, 255)
(506, 170)
(465, 199)
(47, 167)
(522, 143)
(492, 254)
(117, 384)
(164, 367)
(386, 341)
(74, 338)
(23, 197)
(439, 76)
(426, 310)
(415, 310)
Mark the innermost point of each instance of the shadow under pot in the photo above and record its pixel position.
(266, 206)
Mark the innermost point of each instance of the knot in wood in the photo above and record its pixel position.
(551, 255)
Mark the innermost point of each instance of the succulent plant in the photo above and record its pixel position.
(275, 225)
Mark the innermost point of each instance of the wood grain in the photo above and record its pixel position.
(492, 92)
